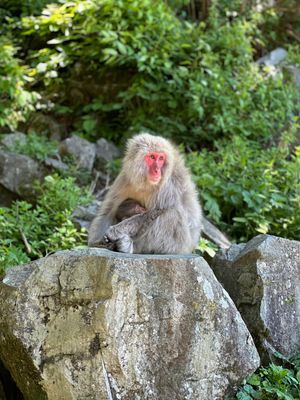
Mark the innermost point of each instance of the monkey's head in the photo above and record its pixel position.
(149, 159)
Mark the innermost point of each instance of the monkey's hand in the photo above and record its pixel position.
(123, 244)
(106, 244)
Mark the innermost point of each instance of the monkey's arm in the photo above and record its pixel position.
(119, 237)
(215, 235)
(133, 225)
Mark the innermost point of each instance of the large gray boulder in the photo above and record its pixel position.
(93, 324)
(263, 279)
(18, 173)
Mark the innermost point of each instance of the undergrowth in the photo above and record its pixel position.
(30, 231)
(275, 382)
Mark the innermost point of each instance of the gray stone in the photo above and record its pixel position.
(92, 324)
(18, 173)
(263, 279)
(81, 149)
(274, 58)
(56, 164)
(105, 152)
(11, 139)
(82, 216)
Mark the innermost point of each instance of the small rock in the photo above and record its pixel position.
(105, 152)
(56, 164)
(11, 139)
(81, 149)
(275, 57)
(82, 216)
(18, 172)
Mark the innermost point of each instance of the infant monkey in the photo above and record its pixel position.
(128, 209)
(121, 235)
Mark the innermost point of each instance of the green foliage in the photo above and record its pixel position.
(11, 8)
(187, 81)
(58, 195)
(15, 101)
(294, 55)
(248, 189)
(31, 231)
(206, 246)
(116, 67)
(272, 383)
(36, 146)
(280, 24)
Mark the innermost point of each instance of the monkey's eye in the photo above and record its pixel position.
(161, 158)
(152, 157)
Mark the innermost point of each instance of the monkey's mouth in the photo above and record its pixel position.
(154, 179)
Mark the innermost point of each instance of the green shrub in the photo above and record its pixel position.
(275, 382)
(36, 146)
(280, 23)
(15, 101)
(248, 190)
(188, 81)
(16, 8)
(31, 231)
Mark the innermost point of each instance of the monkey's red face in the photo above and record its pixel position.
(155, 162)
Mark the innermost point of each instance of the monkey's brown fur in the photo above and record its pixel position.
(177, 226)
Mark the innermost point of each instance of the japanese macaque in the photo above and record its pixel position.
(153, 206)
